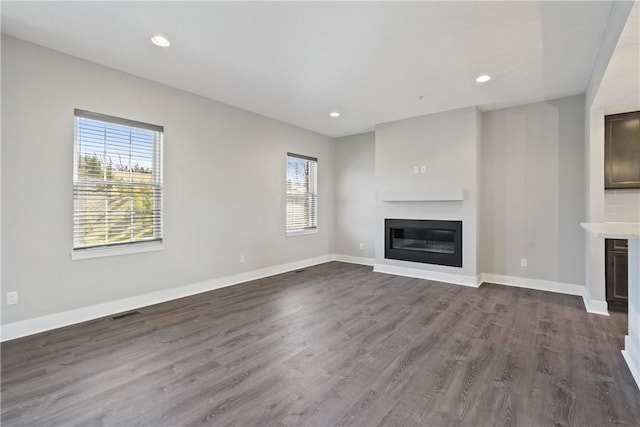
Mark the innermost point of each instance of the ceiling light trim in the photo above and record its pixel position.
(160, 40)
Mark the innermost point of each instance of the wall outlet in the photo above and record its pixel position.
(423, 169)
(361, 245)
(523, 262)
(415, 169)
(12, 297)
(242, 258)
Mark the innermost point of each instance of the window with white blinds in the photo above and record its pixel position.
(117, 181)
(302, 193)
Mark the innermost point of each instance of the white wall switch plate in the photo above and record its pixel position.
(523, 262)
(415, 169)
(423, 169)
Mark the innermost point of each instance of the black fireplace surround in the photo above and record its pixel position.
(427, 241)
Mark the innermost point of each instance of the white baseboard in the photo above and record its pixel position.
(595, 306)
(457, 279)
(537, 284)
(632, 356)
(354, 259)
(591, 306)
(53, 321)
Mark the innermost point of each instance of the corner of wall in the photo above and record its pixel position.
(478, 190)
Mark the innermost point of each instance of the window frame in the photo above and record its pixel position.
(307, 230)
(155, 243)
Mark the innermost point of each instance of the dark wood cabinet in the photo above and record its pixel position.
(617, 272)
(622, 150)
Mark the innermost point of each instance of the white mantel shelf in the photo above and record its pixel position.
(631, 232)
(454, 195)
(613, 230)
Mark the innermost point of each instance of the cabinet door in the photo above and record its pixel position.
(622, 150)
(617, 271)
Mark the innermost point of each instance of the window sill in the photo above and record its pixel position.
(135, 248)
(302, 232)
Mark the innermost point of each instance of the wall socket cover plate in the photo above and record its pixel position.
(12, 297)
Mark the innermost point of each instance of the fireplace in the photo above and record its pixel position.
(427, 241)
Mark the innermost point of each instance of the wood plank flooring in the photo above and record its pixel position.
(332, 345)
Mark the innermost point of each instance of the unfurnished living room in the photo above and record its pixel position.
(320, 213)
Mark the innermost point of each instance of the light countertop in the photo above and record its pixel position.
(613, 230)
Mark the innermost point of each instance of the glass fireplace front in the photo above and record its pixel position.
(427, 241)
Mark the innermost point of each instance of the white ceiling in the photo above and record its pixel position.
(619, 90)
(297, 61)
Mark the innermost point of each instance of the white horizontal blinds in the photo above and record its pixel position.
(117, 181)
(302, 193)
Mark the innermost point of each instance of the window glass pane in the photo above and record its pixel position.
(301, 210)
(117, 182)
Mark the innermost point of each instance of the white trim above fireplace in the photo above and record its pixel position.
(443, 195)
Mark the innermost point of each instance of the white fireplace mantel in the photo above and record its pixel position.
(444, 195)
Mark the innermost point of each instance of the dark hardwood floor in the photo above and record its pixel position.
(332, 345)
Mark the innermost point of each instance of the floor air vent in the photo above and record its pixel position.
(126, 314)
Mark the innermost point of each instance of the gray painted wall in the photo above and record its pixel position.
(447, 144)
(224, 185)
(355, 195)
(532, 191)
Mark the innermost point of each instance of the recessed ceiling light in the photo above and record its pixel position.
(334, 114)
(483, 78)
(161, 41)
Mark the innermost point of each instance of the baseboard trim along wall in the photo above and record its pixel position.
(595, 306)
(58, 320)
(591, 306)
(537, 284)
(631, 355)
(354, 259)
(456, 279)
